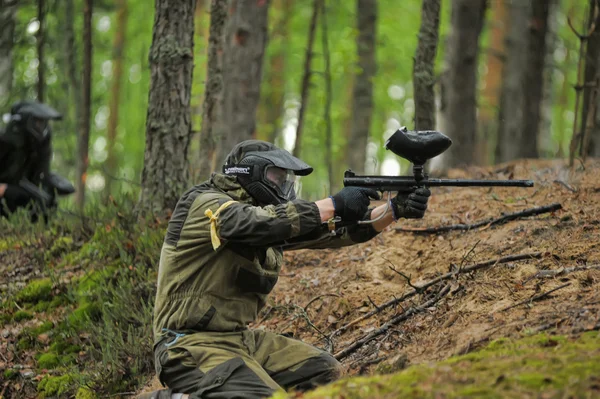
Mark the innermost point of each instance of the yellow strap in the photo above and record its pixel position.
(214, 237)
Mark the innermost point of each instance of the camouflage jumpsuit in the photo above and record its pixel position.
(206, 297)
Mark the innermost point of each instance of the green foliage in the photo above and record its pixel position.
(10, 374)
(85, 393)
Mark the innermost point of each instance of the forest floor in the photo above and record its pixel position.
(514, 312)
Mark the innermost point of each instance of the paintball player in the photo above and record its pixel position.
(221, 258)
(25, 153)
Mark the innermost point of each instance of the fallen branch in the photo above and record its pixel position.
(487, 222)
(535, 298)
(420, 288)
(383, 329)
(564, 270)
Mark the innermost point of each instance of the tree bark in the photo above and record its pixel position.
(8, 9)
(460, 81)
(168, 120)
(328, 97)
(512, 98)
(534, 79)
(84, 136)
(73, 76)
(304, 90)
(245, 42)
(546, 142)
(212, 108)
(362, 93)
(490, 93)
(115, 93)
(271, 106)
(40, 39)
(589, 128)
(423, 67)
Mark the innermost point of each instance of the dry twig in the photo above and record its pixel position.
(397, 319)
(468, 269)
(487, 222)
(535, 298)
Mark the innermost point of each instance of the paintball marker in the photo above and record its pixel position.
(418, 147)
(54, 184)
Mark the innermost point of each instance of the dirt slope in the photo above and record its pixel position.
(356, 280)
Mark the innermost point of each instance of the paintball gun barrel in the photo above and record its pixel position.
(418, 147)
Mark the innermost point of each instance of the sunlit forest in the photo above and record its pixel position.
(121, 38)
(488, 290)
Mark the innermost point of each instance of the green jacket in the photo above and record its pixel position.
(223, 289)
(21, 159)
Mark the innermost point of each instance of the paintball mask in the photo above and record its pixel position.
(266, 172)
(34, 117)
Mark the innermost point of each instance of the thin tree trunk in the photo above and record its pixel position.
(8, 9)
(74, 85)
(271, 106)
(212, 108)
(460, 80)
(306, 77)
(115, 93)
(40, 39)
(168, 121)
(423, 74)
(512, 99)
(590, 131)
(490, 93)
(545, 141)
(534, 78)
(84, 136)
(328, 99)
(245, 43)
(362, 94)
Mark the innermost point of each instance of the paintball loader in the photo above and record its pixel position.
(418, 147)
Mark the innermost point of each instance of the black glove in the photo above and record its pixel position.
(411, 205)
(352, 203)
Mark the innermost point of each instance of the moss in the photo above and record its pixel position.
(48, 361)
(60, 246)
(35, 291)
(536, 366)
(25, 343)
(55, 386)
(9, 374)
(85, 393)
(22, 315)
(84, 312)
(44, 327)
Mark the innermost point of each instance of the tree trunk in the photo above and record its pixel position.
(168, 122)
(328, 98)
(306, 77)
(84, 136)
(546, 145)
(8, 9)
(534, 79)
(245, 42)
(512, 99)
(460, 80)
(271, 106)
(490, 93)
(362, 94)
(591, 131)
(212, 109)
(115, 93)
(40, 39)
(73, 76)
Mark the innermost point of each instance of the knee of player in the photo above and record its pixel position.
(331, 368)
